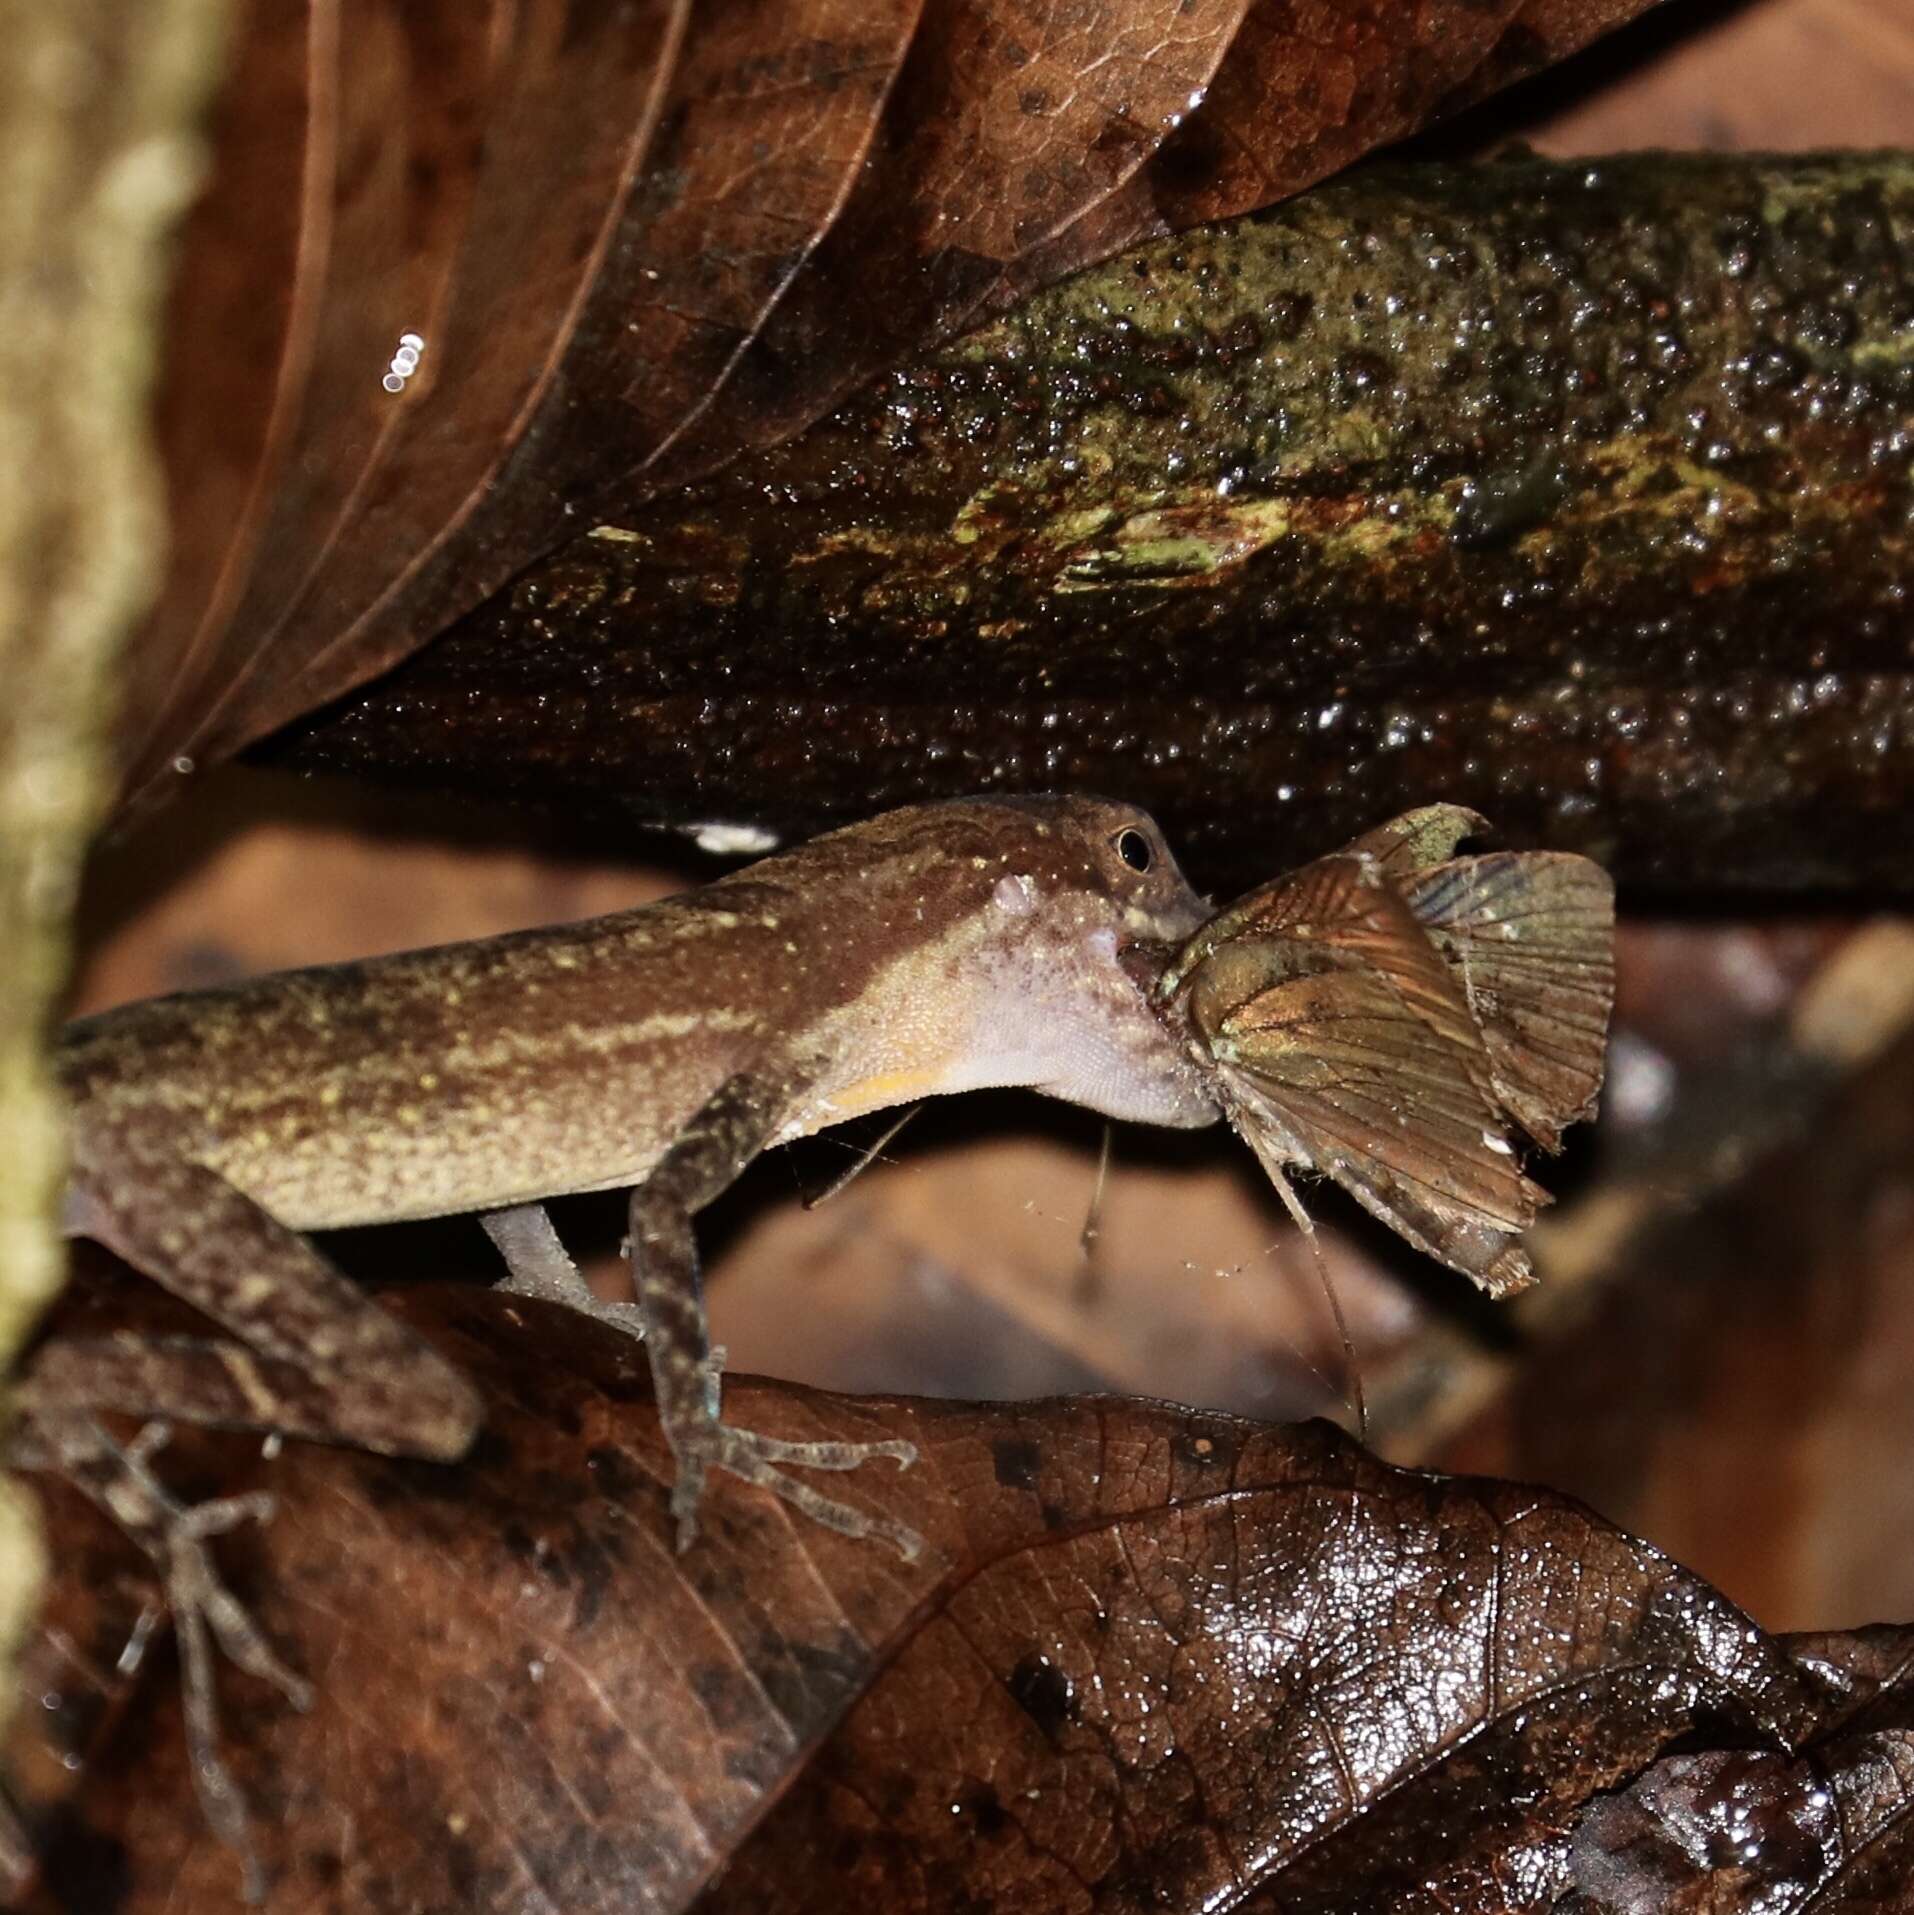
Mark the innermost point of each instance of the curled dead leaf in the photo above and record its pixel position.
(1730, 1830)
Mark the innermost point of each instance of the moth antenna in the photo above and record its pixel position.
(1351, 1368)
(1089, 1278)
(862, 1162)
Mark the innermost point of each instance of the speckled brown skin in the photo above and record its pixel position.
(938, 948)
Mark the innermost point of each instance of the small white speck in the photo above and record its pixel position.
(724, 840)
(405, 362)
(183, 765)
(1500, 1145)
(271, 1447)
(1642, 1081)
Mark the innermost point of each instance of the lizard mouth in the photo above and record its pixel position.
(1170, 926)
(1143, 961)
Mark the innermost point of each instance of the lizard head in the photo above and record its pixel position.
(1092, 864)
(1063, 910)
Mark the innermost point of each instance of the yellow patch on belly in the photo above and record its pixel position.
(883, 1091)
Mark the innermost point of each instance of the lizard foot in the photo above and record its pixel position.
(756, 1458)
(205, 1612)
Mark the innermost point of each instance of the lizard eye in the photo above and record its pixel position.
(1134, 849)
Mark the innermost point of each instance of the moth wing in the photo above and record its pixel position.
(1417, 839)
(1530, 937)
(1333, 1071)
(1345, 907)
(1338, 912)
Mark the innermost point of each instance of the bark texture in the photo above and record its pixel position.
(1580, 492)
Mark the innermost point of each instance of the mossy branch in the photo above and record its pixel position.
(1578, 492)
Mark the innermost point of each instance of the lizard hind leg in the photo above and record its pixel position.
(733, 1126)
(385, 1387)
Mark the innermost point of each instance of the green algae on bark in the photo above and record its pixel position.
(1583, 493)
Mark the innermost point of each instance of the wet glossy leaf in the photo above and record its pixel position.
(628, 242)
(1831, 1828)
(1155, 1659)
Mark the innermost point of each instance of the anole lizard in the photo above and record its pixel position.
(939, 948)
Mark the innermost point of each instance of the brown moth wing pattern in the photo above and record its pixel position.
(1417, 839)
(1332, 1073)
(1340, 913)
(1531, 937)
(1343, 1043)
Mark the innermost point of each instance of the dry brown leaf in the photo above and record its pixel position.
(1153, 1659)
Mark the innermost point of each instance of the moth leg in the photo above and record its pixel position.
(382, 1385)
(731, 1129)
(1089, 1285)
(1352, 1368)
(120, 1481)
(862, 1162)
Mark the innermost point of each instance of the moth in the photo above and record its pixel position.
(1400, 1019)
